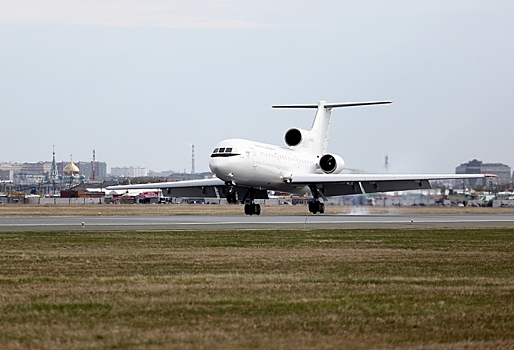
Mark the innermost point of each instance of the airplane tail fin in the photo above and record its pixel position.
(321, 125)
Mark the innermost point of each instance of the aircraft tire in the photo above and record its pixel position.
(313, 207)
(316, 207)
(252, 209)
(231, 197)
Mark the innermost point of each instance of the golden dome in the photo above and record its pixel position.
(71, 169)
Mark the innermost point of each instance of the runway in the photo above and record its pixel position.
(184, 222)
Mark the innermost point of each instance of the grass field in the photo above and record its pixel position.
(352, 289)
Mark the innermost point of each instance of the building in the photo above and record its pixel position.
(129, 171)
(40, 170)
(475, 166)
(93, 170)
(8, 169)
(86, 169)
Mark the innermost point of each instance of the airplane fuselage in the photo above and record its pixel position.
(260, 165)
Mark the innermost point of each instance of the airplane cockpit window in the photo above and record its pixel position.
(224, 152)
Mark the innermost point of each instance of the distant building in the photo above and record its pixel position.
(99, 169)
(8, 169)
(475, 166)
(39, 168)
(129, 171)
(86, 169)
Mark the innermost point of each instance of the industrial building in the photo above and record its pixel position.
(475, 166)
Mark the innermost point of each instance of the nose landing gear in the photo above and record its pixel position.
(251, 208)
(231, 196)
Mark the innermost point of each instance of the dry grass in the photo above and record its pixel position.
(353, 289)
(206, 209)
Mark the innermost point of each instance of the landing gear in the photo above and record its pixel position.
(231, 196)
(316, 207)
(251, 208)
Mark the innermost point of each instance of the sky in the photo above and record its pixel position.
(141, 81)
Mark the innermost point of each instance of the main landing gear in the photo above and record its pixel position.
(315, 206)
(252, 209)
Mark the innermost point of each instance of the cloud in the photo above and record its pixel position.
(212, 13)
(132, 13)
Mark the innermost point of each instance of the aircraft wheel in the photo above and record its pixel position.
(252, 209)
(313, 208)
(316, 207)
(231, 197)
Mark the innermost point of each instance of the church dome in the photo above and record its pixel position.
(71, 168)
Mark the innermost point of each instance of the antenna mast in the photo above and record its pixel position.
(93, 165)
(193, 160)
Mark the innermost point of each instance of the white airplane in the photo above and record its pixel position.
(246, 170)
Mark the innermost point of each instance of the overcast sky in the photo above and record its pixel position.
(140, 81)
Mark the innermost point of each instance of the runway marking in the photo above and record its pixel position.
(117, 223)
(252, 223)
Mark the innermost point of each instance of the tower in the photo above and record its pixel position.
(53, 170)
(93, 166)
(193, 160)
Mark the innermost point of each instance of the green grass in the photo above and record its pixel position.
(354, 289)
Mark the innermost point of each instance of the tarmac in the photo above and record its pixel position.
(209, 222)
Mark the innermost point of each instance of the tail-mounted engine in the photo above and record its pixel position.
(331, 164)
(298, 137)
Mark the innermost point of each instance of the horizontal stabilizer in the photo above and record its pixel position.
(334, 105)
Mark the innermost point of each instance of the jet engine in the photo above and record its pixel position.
(331, 164)
(295, 137)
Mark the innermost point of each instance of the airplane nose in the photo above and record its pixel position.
(221, 166)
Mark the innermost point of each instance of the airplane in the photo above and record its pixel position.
(246, 170)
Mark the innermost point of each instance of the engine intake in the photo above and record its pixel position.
(293, 137)
(331, 164)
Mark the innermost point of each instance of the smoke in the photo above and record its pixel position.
(358, 210)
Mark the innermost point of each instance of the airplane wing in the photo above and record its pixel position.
(348, 184)
(205, 188)
(327, 184)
